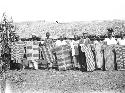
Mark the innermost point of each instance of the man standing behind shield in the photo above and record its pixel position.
(47, 53)
(75, 51)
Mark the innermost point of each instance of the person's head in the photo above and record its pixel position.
(110, 32)
(64, 37)
(17, 38)
(110, 35)
(98, 38)
(123, 36)
(61, 38)
(85, 35)
(75, 37)
(47, 34)
(95, 38)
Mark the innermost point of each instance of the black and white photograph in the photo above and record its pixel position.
(62, 46)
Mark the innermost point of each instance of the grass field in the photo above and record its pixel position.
(44, 81)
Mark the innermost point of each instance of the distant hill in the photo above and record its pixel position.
(39, 28)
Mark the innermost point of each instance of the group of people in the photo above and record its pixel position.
(78, 53)
(86, 54)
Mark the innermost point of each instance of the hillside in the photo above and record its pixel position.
(39, 28)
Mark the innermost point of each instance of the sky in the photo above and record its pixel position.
(63, 10)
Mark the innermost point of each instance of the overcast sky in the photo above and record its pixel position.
(63, 10)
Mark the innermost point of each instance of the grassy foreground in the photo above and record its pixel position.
(44, 81)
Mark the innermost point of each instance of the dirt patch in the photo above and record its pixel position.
(36, 81)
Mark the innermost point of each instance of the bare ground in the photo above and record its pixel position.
(43, 81)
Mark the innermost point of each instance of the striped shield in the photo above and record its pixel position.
(89, 56)
(17, 51)
(47, 54)
(120, 57)
(109, 58)
(32, 50)
(63, 57)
